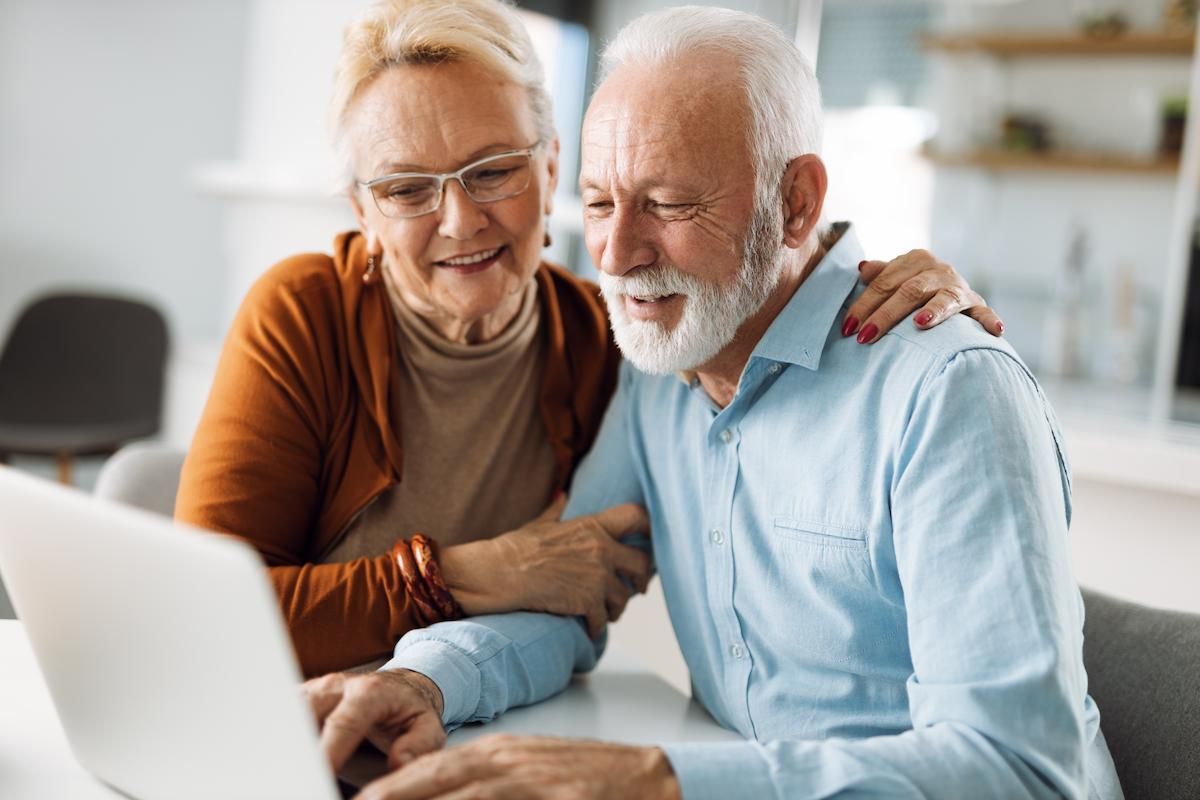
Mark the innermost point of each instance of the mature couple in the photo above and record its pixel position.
(863, 548)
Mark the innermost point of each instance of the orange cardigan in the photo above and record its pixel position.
(297, 436)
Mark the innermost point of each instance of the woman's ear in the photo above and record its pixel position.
(373, 245)
(552, 173)
(804, 184)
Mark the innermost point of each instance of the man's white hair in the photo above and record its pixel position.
(780, 85)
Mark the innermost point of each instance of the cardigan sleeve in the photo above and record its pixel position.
(255, 471)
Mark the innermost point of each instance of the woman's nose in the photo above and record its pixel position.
(461, 217)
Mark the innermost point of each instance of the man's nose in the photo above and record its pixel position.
(626, 246)
(461, 217)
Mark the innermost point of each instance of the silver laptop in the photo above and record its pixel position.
(163, 648)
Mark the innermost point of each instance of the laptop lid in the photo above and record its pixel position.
(163, 648)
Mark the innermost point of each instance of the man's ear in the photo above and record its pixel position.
(804, 185)
(373, 245)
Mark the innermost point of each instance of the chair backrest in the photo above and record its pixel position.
(142, 475)
(84, 359)
(1143, 668)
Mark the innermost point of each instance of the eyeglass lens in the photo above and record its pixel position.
(495, 179)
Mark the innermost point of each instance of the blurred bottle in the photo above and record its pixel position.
(1124, 352)
(1063, 357)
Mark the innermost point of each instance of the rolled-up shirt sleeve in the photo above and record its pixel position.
(997, 693)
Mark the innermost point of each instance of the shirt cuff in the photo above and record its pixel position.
(720, 770)
(450, 668)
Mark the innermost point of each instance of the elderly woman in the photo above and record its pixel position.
(433, 375)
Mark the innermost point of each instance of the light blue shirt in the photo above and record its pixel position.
(865, 560)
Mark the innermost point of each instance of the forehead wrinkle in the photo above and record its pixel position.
(433, 118)
(633, 142)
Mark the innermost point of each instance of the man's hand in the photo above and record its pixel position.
(915, 280)
(501, 767)
(399, 711)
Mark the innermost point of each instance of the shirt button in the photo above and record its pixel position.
(727, 436)
(774, 368)
(736, 651)
(716, 536)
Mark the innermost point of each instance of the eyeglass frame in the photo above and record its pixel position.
(446, 176)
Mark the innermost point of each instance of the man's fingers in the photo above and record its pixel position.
(633, 564)
(323, 694)
(347, 726)
(623, 520)
(553, 512)
(616, 597)
(435, 775)
(597, 618)
(425, 734)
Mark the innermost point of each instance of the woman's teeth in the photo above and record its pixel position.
(463, 261)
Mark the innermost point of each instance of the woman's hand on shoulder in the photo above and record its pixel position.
(915, 280)
(574, 568)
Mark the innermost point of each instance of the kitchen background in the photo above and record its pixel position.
(172, 151)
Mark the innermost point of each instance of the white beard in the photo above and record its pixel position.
(712, 313)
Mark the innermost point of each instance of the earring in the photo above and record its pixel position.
(546, 240)
(369, 276)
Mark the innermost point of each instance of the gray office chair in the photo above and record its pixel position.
(1143, 669)
(81, 375)
(142, 475)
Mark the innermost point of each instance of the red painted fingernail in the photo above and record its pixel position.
(999, 326)
(867, 333)
(924, 318)
(861, 264)
(849, 326)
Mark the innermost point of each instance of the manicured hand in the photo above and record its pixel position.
(575, 568)
(915, 280)
(532, 768)
(398, 711)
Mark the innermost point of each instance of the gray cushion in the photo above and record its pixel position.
(142, 475)
(1143, 668)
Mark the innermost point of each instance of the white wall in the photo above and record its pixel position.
(1138, 544)
(104, 110)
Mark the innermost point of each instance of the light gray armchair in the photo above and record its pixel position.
(1143, 669)
(142, 475)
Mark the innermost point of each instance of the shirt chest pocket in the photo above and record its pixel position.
(820, 534)
(821, 557)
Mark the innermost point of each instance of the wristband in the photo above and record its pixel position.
(423, 553)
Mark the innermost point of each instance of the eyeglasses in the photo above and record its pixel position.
(413, 194)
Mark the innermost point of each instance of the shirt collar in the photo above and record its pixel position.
(798, 334)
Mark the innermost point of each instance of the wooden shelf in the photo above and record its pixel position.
(996, 159)
(1063, 43)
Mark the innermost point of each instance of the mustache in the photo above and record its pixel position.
(662, 279)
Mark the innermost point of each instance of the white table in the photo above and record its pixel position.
(620, 701)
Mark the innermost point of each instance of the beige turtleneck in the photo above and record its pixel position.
(477, 459)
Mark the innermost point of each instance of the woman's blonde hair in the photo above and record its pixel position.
(392, 32)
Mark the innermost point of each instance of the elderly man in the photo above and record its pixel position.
(876, 612)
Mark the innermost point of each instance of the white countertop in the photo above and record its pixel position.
(620, 701)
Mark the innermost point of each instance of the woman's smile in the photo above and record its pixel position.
(472, 263)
